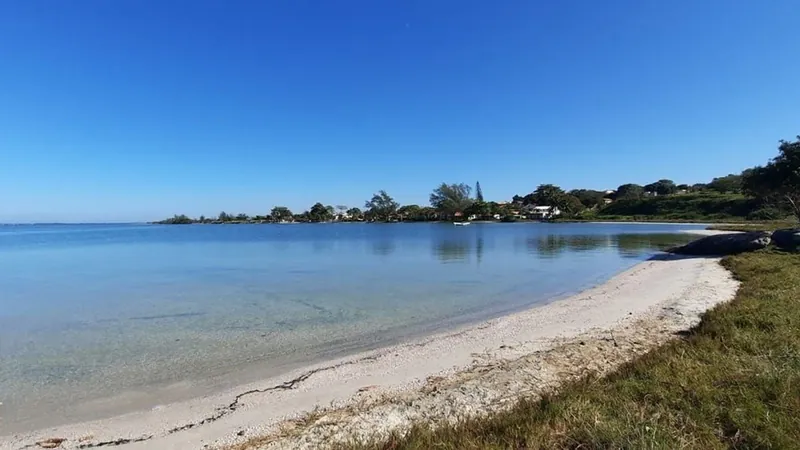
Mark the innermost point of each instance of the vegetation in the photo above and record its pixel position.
(732, 382)
(768, 193)
(381, 207)
(779, 180)
(451, 199)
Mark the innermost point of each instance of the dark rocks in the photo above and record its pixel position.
(787, 239)
(725, 244)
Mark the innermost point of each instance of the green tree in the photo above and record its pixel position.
(450, 199)
(428, 213)
(409, 212)
(779, 181)
(281, 214)
(588, 197)
(319, 213)
(381, 207)
(662, 187)
(479, 208)
(630, 192)
(242, 217)
(224, 217)
(547, 195)
(478, 192)
(355, 214)
(728, 183)
(202, 219)
(570, 205)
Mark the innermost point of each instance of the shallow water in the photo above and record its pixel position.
(101, 319)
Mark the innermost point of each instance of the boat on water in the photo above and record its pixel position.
(461, 224)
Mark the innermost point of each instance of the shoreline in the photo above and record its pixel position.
(263, 408)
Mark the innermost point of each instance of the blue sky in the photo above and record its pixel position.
(133, 110)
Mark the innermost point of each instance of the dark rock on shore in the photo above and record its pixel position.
(787, 239)
(725, 244)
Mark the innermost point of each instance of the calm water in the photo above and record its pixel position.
(147, 314)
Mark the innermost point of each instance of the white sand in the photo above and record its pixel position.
(468, 371)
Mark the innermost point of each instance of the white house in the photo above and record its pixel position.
(542, 212)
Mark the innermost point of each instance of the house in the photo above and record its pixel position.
(541, 212)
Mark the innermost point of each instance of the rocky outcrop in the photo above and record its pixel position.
(725, 244)
(788, 239)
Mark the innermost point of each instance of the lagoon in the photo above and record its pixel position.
(102, 319)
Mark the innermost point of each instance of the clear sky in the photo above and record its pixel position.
(131, 110)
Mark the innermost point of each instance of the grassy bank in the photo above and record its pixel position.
(690, 207)
(733, 382)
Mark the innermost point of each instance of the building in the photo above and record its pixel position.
(541, 212)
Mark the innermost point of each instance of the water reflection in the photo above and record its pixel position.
(627, 245)
(383, 247)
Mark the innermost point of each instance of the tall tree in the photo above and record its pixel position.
(779, 181)
(409, 212)
(281, 214)
(588, 197)
(478, 191)
(450, 199)
(319, 213)
(547, 195)
(382, 206)
(224, 217)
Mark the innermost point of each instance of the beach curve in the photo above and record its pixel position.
(646, 304)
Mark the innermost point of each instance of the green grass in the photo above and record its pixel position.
(733, 382)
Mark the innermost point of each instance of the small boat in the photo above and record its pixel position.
(461, 224)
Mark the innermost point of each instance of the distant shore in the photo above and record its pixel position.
(360, 385)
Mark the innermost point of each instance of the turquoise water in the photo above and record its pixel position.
(90, 312)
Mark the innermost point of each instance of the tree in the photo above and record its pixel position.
(381, 207)
(409, 212)
(588, 197)
(662, 187)
(478, 192)
(779, 181)
(450, 199)
(684, 187)
(479, 208)
(728, 183)
(355, 214)
(281, 214)
(319, 213)
(177, 219)
(202, 219)
(570, 205)
(518, 200)
(224, 217)
(630, 192)
(242, 217)
(547, 195)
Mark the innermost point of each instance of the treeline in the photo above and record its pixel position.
(769, 192)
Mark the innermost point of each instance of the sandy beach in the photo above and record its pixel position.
(473, 370)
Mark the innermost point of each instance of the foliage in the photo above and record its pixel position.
(177, 219)
(381, 207)
(779, 181)
(355, 214)
(727, 184)
(701, 206)
(410, 212)
(662, 187)
(478, 192)
(630, 192)
(281, 214)
(320, 213)
(224, 217)
(588, 197)
(242, 217)
(479, 209)
(546, 195)
(733, 382)
(450, 199)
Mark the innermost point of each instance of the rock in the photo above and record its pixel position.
(725, 244)
(787, 239)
